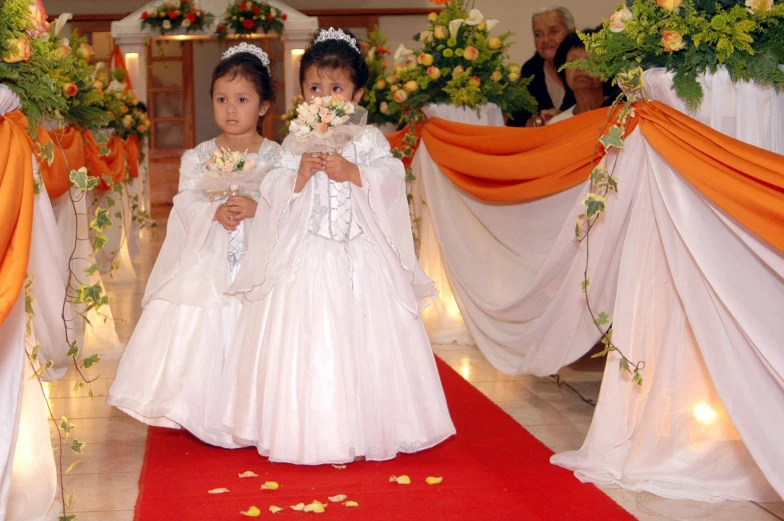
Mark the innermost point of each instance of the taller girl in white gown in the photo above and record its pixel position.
(171, 369)
(333, 363)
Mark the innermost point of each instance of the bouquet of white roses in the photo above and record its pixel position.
(229, 173)
(320, 117)
(225, 161)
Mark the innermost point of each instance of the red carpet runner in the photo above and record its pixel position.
(493, 470)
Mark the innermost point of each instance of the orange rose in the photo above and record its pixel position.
(672, 41)
(38, 18)
(494, 42)
(425, 59)
(85, 52)
(70, 89)
(411, 86)
(18, 50)
(63, 51)
(471, 53)
(400, 96)
(496, 76)
(669, 5)
(434, 72)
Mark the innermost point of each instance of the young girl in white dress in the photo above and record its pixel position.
(332, 360)
(171, 368)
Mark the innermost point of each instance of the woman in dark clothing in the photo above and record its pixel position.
(550, 27)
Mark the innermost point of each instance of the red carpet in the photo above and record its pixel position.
(493, 470)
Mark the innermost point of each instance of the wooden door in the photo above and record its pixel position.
(171, 112)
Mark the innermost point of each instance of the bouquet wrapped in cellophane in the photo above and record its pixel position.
(230, 173)
(320, 124)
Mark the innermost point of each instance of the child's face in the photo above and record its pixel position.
(236, 105)
(329, 82)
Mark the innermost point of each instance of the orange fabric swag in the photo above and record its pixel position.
(132, 155)
(520, 164)
(69, 157)
(16, 208)
(112, 165)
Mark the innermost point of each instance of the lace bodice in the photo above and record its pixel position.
(332, 215)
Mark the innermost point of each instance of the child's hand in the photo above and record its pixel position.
(226, 218)
(241, 207)
(309, 165)
(339, 169)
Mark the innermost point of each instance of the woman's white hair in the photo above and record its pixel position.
(566, 15)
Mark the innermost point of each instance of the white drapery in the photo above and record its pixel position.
(691, 292)
(27, 470)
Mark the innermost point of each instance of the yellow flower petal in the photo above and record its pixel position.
(248, 474)
(298, 507)
(275, 509)
(434, 481)
(270, 485)
(401, 480)
(251, 512)
(338, 498)
(218, 491)
(351, 504)
(316, 507)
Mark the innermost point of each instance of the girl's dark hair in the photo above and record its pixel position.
(335, 55)
(249, 67)
(572, 41)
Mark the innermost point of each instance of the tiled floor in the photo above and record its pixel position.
(105, 479)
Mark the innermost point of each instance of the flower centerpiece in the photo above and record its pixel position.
(84, 93)
(122, 106)
(377, 90)
(249, 17)
(689, 38)
(459, 64)
(170, 16)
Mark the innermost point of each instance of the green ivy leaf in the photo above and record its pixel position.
(612, 183)
(595, 204)
(89, 293)
(637, 378)
(109, 202)
(66, 426)
(99, 241)
(602, 319)
(93, 268)
(625, 365)
(101, 220)
(118, 215)
(46, 152)
(90, 361)
(614, 138)
(118, 188)
(82, 181)
(104, 151)
(108, 180)
(73, 349)
(71, 517)
(77, 446)
(584, 285)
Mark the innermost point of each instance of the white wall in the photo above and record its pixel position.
(514, 15)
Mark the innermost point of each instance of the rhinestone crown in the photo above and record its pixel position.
(252, 49)
(337, 34)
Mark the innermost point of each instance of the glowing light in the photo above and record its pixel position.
(465, 368)
(704, 413)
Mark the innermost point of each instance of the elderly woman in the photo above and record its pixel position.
(590, 93)
(550, 27)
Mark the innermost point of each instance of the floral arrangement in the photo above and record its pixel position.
(459, 64)
(224, 160)
(290, 115)
(249, 16)
(377, 89)
(170, 16)
(320, 116)
(689, 38)
(84, 93)
(121, 105)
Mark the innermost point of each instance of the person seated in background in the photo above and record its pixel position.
(550, 26)
(590, 92)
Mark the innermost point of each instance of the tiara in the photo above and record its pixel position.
(336, 34)
(252, 49)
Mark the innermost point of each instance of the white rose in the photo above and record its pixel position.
(618, 19)
(186, 23)
(166, 24)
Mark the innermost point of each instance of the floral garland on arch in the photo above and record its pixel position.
(250, 17)
(690, 38)
(170, 16)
